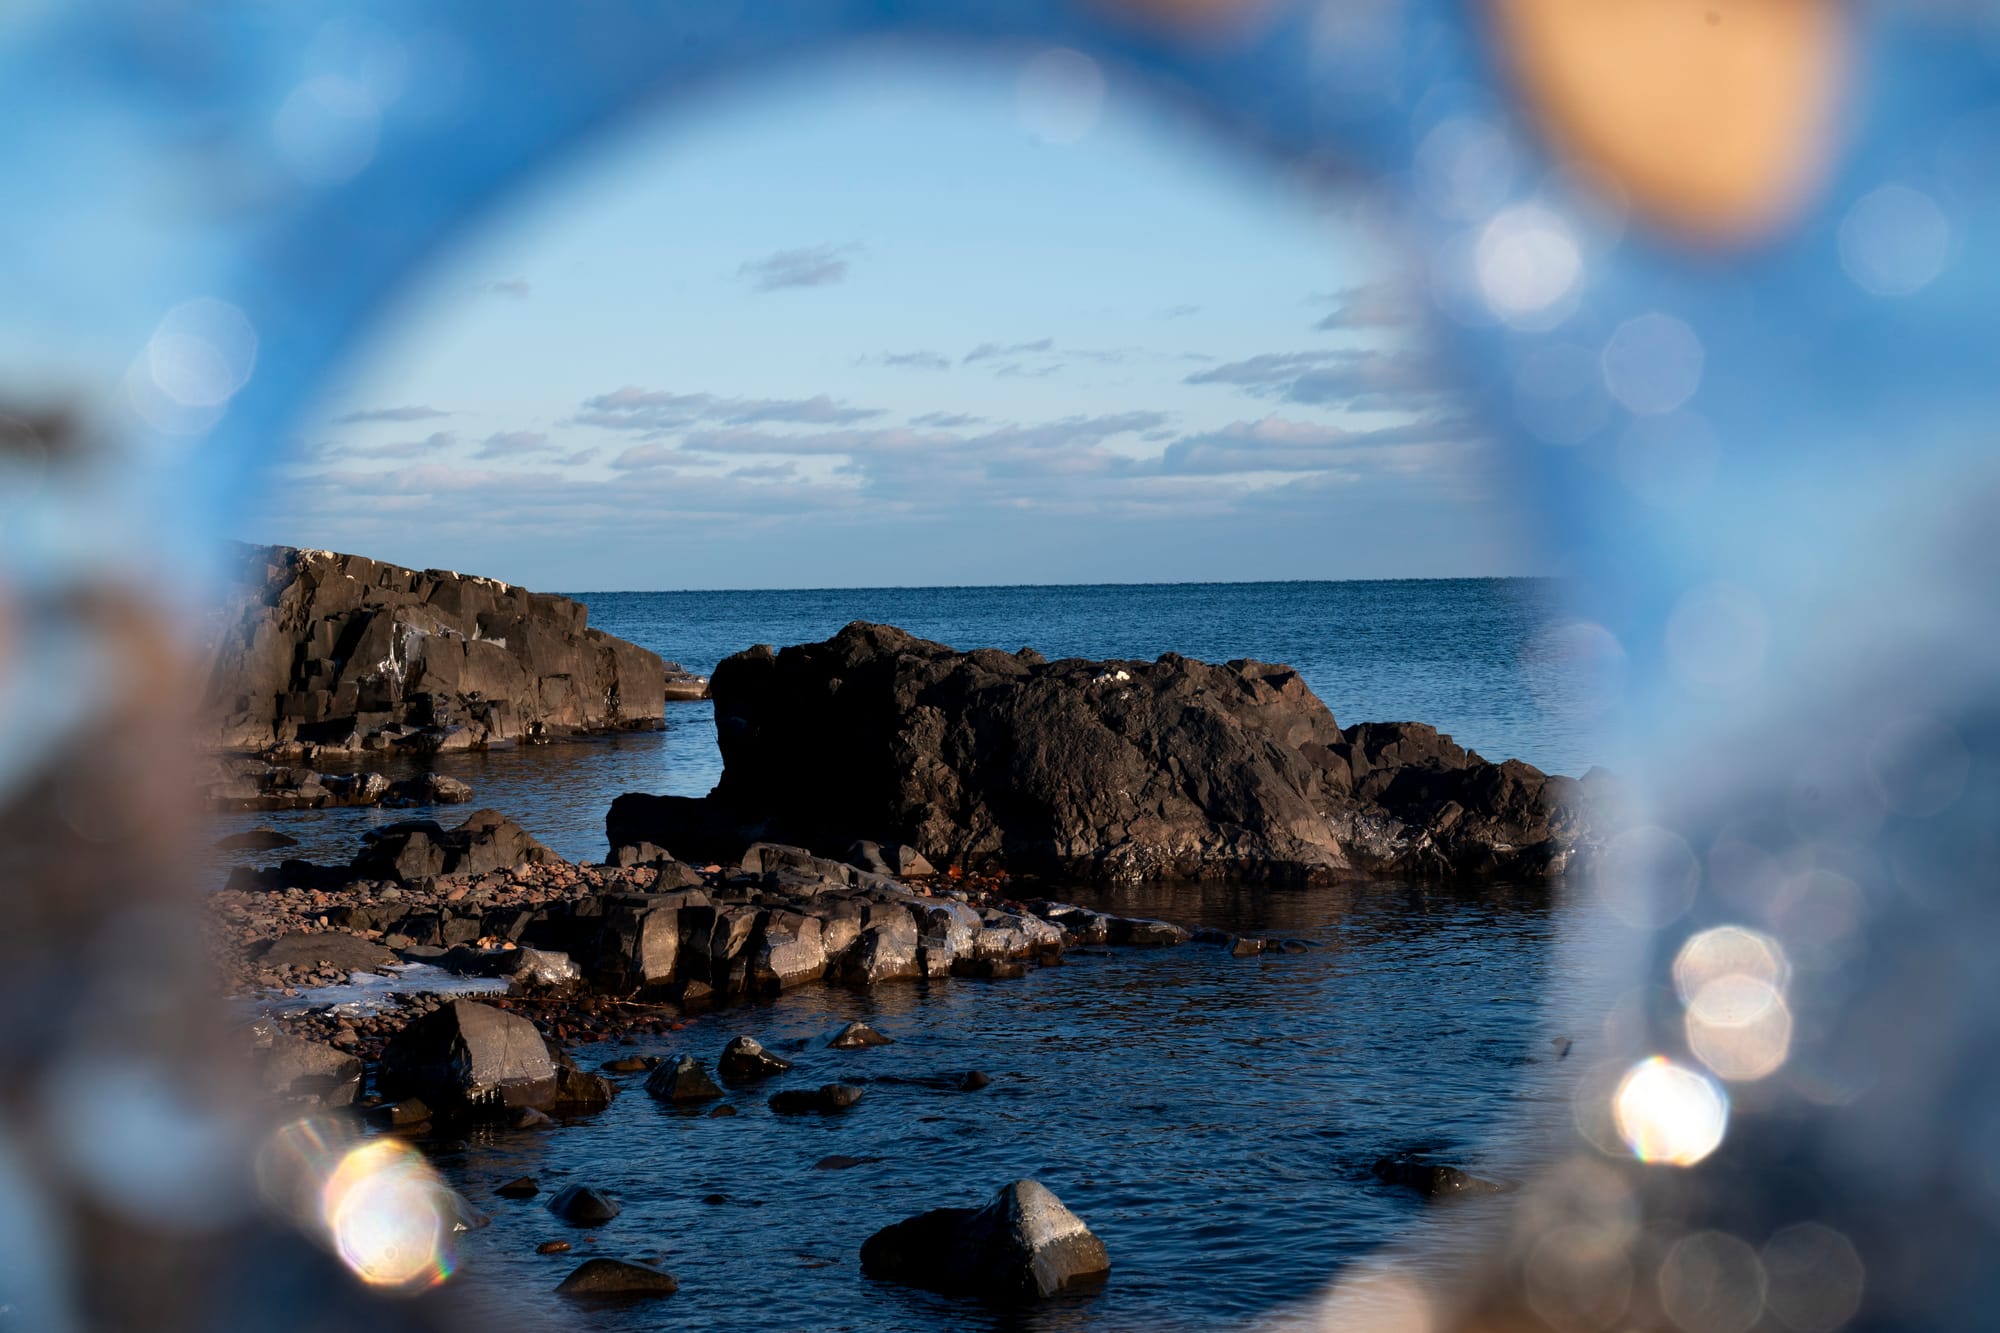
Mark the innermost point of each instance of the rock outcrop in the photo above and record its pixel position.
(1104, 770)
(1023, 1245)
(321, 652)
(234, 782)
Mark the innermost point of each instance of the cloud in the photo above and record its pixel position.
(517, 288)
(512, 444)
(947, 420)
(988, 351)
(1279, 444)
(331, 451)
(813, 266)
(1375, 305)
(766, 471)
(655, 412)
(418, 412)
(1015, 370)
(1360, 380)
(1177, 312)
(921, 360)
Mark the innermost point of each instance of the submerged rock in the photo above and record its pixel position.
(255, 840)
(683, 1082)
(522, 1187)
(1430, 1179)
(825, 1099)
(469, 1058)
(744, 1060)
(617, 1277)
(857, 1035)
(580, 1205)
(1110, 770)
(1022, 1245)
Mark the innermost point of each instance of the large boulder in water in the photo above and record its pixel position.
(469, 1058)
(1021, 1246)
(1109, 770)
(343, 654)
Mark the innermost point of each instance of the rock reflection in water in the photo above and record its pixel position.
(1211, 1118)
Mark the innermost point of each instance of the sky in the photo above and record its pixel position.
(883, 322)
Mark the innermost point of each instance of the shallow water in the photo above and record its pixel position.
(1213, 1119)
(1461, 654)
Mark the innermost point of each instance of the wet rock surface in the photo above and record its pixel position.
(238, 782)
(617, 1278)
(580, 1205)
(1431, 1179)
(1023, 1245)
(319, 652)
(1105, 770)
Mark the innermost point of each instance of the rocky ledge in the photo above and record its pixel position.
(1118, 770)
(235, 782)
(601, 949)
(318, 652)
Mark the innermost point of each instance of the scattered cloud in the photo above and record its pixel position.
(1359, 380)
(1279, 444)
(516, 288)
(947, 420)
(333, 450)
(811, 266)
(1177, 312)
(988, 351)
(418, 412)
(1015, 370)
(766, 471)
(513, 444)
(921, 360)
(1375, 305)
(655, 412)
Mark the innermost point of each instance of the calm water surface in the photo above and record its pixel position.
(1461, 654)
(1213, 1119)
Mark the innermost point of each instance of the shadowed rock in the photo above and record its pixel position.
(825, 1099)
(292, 1069)
(857, 1035)
(683, 1082)
(415, 849)
(1430, 1179)
(1111, 770)
(744, 1060)
(1023, 1245)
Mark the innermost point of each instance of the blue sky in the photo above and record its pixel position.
(878, 322)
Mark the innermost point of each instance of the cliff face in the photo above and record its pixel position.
(338, 653)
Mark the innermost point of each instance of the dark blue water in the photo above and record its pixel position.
(1213, 1119)
(1465, 655)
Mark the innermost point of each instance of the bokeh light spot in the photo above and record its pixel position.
(1712, 1282)
(1529, 267)
(1894, 241)
(1653, 364)
(384, 1208)
(1668, 1114)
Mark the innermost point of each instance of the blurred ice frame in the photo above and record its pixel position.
(1720, 275)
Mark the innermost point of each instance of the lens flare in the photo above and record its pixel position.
(1669, 1114)
(384, 1208)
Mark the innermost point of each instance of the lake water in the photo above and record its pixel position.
(1462, 654)
(1213, 1119)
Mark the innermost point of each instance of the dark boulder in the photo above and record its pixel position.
(469, 1058)
(582, 1206)
(421, 848)
(744, 1060)
(522, 1187)
(343, 654)
(1023, 1245)
(1110, 770)
(617, 1278)
(682, 1083)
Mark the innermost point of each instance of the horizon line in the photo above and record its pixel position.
(1155, 583)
